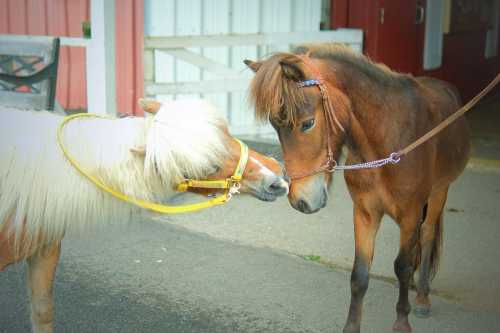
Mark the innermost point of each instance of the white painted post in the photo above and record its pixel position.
(433, 42)
(101, 79)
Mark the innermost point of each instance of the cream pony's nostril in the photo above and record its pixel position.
(278, 187)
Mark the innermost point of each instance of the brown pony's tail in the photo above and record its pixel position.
(418, 248)
(436, 248)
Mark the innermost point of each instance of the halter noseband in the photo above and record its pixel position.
(331, 119)
(231, 184)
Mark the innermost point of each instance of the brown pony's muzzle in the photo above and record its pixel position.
(309, 194)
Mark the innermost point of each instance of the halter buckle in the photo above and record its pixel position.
(331, 165)
(235, 188)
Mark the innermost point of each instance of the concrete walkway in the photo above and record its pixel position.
(469, 272)
(241, 268)
(152, 277)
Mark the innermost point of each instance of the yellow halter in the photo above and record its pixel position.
(230, 185)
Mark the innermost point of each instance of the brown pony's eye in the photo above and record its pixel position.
(307, 125)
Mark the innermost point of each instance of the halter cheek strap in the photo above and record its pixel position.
(320, 83)
(232, 184)
(331, 119)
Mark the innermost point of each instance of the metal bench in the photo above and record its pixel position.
(28, 71)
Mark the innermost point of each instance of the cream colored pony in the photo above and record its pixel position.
(42, 195)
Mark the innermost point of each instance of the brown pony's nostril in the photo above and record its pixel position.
(303, 206)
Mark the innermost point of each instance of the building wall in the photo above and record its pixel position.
(463, 55)
(207, 17)
(129, 51)
(64, 18)
(464, 63)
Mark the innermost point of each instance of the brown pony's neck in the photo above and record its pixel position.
(378, 109)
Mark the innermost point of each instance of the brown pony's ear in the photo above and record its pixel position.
(253, 65)
(148, 105)
(292, 70)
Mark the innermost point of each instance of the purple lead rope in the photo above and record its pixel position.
(394, 158)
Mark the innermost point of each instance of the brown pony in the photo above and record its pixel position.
(374, 112)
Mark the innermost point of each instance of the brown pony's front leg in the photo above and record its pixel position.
(404, 264)
(366, 224)
(41, 271)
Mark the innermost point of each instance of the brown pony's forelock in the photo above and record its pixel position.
(276, 97)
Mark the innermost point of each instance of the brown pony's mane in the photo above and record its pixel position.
(277, 97)
(346, 55)
(274, 95)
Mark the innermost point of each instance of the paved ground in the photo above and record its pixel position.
(471, 235)
(484, 121)
(242, 271)
(241, 268)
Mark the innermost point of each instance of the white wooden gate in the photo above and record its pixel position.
(197, 47)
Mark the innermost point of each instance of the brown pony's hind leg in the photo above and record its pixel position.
(430, 240)
(3, 264)
(409, 225)
(366, 224)
(41, 271)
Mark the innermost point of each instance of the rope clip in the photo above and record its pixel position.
(234, 189)
(394, 158)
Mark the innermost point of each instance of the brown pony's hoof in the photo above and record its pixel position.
(401, 327)
(351, 329)
(422, 311)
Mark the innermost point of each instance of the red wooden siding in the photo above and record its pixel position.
(399, 43)
(339, 13)
(129, 65)
(464, 63)
(63, 18)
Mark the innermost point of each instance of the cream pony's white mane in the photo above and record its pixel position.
(39, 186)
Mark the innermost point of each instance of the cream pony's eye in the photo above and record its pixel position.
(307, 125)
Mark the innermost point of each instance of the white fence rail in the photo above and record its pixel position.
(226, 79)
(196, 48)
(231, 80)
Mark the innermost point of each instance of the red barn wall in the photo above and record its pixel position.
(463, 63)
